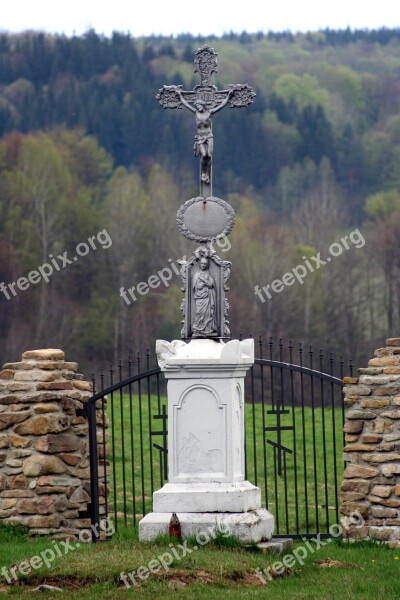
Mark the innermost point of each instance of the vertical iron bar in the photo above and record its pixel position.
(276, 493)
(113, 450)
(132, 435)
(294, 438)
(314, 442)
(254, 425)
(303, 423)
(141, 439)
(263, 425)
(286, 492)
(334, 442)
(121, 402)
(94, 473)
(324, 443)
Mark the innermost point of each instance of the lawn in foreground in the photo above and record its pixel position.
(365, 571)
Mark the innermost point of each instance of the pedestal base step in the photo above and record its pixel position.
(236, 497)
(249, 527)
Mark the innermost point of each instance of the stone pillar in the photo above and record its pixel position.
(206, 443)
(44, 477)
(371, 481)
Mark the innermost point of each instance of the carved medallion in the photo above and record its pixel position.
(205, 219)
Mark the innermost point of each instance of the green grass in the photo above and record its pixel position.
(365, 571)
(293, 497)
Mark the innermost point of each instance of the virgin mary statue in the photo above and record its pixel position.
(204, 295)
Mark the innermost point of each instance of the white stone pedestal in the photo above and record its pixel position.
(206, 443)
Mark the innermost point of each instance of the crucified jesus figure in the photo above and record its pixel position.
(204, 140)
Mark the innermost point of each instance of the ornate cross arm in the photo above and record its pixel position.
(204, 101)
(172, 96)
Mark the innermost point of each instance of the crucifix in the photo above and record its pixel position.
(205, 218)
(204, 101)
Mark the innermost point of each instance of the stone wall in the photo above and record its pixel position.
(44, 463)
(371, 481)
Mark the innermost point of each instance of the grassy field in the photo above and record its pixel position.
(358, 571)
(302, 497)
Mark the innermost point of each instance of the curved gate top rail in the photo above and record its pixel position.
(293, 438)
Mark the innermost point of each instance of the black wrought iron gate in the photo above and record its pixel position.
(294, 440)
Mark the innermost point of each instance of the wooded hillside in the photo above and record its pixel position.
(85, 148)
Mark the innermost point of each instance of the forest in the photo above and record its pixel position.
(85, 148)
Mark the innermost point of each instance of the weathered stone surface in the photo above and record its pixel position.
(361, 414)
(353, 426)
(4, 442)
(13, 462)
(9, 418)
(380, 380)
(36, 375)
(349, 508)
(374, 403)
(40, 464)
(71, 459)
(380, 533)
(358, 390)
(54, 443)
(358, 448)
(19, 386)
(41, 521)
(46, 354)
(377, 457)
(7, 374)
(370, 438)
(352, 496)
(360, 471)
(391, 370)
(355, 485)
(19, 482)
(49, 423)
(389, 470)
(55, 385)
(43, 505)
(45, 407)
(389, 361)
(59, 481)
(84, 386)
(397, 489)
(16, 494)
(349, 437)
(393, 342)
(371, 371)
(19, 442)
(51, 489)
(390, 502)
(350, 380)
(381, 426)
(391, 414)
(4, 482)
(79, 496)
(381, 513)
(382, 490)
(387, 390)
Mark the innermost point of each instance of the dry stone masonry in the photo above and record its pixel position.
(44, 463)
(371, 481)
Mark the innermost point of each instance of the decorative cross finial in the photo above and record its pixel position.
(205, 218)
(204, 101)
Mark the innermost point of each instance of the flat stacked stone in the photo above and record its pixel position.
(44, 462)
(371, 481)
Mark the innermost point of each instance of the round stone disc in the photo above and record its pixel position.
(204, 219)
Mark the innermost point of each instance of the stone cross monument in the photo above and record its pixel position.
(206, 217)
(206, 463)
